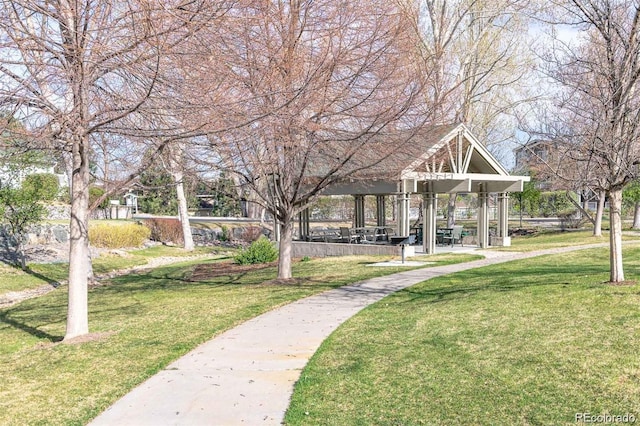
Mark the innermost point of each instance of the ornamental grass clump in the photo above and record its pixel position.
(260, 251)
(118, 236)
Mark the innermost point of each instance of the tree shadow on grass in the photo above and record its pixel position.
(12, 318)
(179, 280)
(51, 281)
(133, 283)
(15, 263)
(480, 280)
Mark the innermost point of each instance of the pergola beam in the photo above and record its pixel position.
(363, 187)
(445, 186)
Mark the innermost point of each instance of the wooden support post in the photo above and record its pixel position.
(359, 211)
(430, 206)
(303, 224)
(403, 214)
(503, 219)
(381, 214)
(404, 198)
(483, 218)
(503, 214)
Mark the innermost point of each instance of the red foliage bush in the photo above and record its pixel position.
(165, 230)
(251, 234)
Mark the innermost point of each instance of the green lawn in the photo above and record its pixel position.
(145, 321)
(528, 342)
(14, 279)
(548, 240)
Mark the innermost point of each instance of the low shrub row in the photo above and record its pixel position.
(164, 230)
(118, 236)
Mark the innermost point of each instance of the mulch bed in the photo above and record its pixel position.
(205, 271)
(521, 232)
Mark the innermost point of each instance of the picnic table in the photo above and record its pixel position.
(450, 235)
(373, 234)
(324, 235)
(443, 234)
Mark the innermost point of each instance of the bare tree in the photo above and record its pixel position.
(561, 167)
(73, 70)
(310, 85)
(599, 102)
(476, 60)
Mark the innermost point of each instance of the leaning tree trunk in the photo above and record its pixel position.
(286, 242)
(597, 226)
(615, 236)
(183, 212)
(636, 216)
(20, 254)
(585, 205)
(77, 311)
(176, 167)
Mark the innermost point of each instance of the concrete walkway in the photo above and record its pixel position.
(246, 375)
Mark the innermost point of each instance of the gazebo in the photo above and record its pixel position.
(443, 159)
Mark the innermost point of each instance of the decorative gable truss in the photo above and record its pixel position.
(458, 162)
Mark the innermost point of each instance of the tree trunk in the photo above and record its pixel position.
(77, 311)
(175, 164)
(183, 211)
(585, 205)
(286, 240)
(583, 208)
(597, 225)
(636, 216)
(20, 255)
(451, 210)
(254, 210)
(615, 236)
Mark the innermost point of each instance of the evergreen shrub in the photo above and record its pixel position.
(260, 251)
(44, 186)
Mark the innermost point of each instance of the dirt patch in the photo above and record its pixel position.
(205, 271)
(86, 338)
(91, 337)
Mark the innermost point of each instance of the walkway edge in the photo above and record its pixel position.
(246, 375)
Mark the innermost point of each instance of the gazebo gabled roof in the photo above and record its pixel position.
(460, 163)
(441, 159)
(458, 152)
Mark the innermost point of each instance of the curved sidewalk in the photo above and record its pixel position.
(246, 375)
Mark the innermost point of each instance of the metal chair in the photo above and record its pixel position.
(455, 236)
(346, 236)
